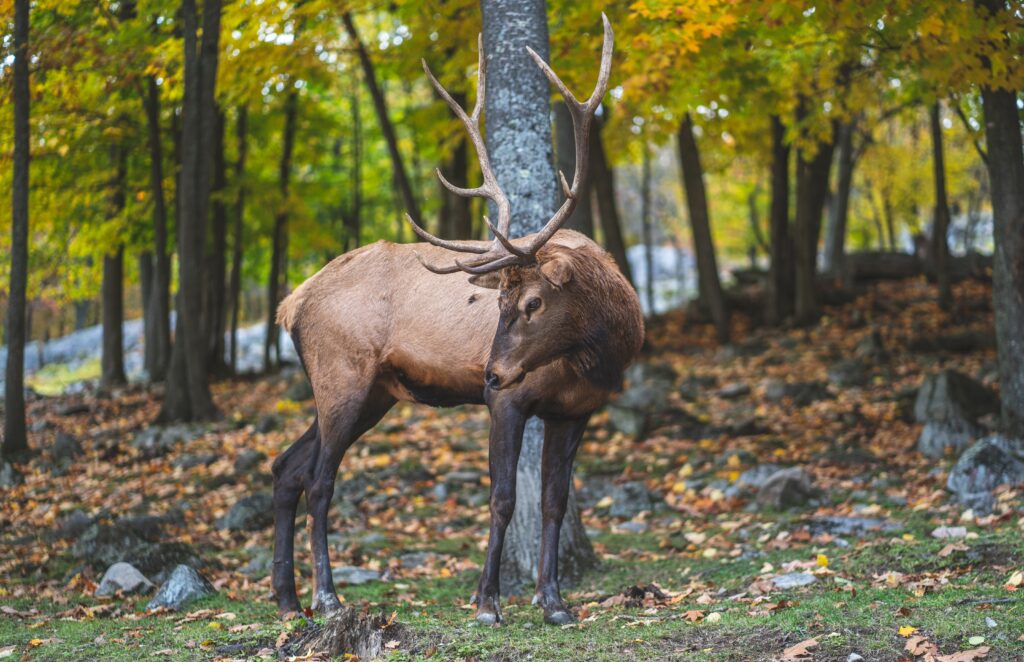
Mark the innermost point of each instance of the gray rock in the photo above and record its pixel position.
(464, 476)
(848, 373)
(950, 404)
(185, 585)
(646, 395)
(854, 657)
(268, 423)
(354, 576)
(774, 389)
(191, 461)
(65, 448)
(757, 476)
(630, 499)
(793, 580)
(734, 390)
(416, 559)
(158, 559)
(854, 527)
(696, 386)
(157, 441)
(73, 525)
(631, 527)
(249, 460)
(986, 465)
(260, 563)
(250, 514)
(787, 488)
(9, 476)
(123, 577)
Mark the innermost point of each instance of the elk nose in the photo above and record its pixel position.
(492, 380)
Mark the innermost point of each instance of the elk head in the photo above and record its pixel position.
(539, 316)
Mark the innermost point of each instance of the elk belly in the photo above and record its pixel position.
(436, 387)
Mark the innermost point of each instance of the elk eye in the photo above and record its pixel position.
(532, 305)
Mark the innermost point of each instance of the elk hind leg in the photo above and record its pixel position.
(340, 427)
(291, 470)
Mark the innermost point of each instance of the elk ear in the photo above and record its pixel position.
(557, 270)
(491, 281)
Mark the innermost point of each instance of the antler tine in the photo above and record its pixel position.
(460, 246)
(488, 267)
(582, 115)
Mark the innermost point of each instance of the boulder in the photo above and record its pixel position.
(249, 460)
(630, 499)
(982, 468)
(756, 477)
(949, 404)
(250, 514)
(123, 577)
(786, 488)
(185, 585)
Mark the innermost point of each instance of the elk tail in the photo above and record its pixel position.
(288, 310)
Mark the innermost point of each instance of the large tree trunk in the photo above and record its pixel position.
(112, 347)
(187, 396)
(241, 134)
(158, 337)
(276, 284)
(646, 224)
(15, 441)
(582, 219)
(602, 187)
(811, 192)
(519, 144)
(216, 311)
(835, 235)
(940, 227)
(781, 273)
(386, 127)
(1006, 175)
(709, 285)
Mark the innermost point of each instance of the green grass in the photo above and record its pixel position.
(53, 380)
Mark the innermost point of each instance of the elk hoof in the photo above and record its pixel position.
(559, 617)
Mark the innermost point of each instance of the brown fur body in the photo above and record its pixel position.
(374, 327)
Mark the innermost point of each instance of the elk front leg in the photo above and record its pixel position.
(561, 439)
(291, 471)
(506, 440)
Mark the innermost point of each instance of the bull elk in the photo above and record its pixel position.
(544, 326)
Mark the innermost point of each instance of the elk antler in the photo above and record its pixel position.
(503, 251)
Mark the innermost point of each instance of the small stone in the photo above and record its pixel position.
(696, 386)
(268, 423)
(73, 409)
(990, 623)
(631, 527)
(757, 476)
(786, 489)
(854, 657)
(249, 460)
(156, 441)
(191, 461)
(793, 580)
(469, 477)
(945, 532)
(440, 492)
(630, 499)
(774, 389)
(354, 576)
(123, 577)
(249, 514)
(185, 585)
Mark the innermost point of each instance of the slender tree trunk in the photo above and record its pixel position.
(241, 135)
(754, 216)
(581, 219)
(1006, 178)
(276, 284)
(456, 221)
(353, 219)
(602, 187)
(519, 141)
(890, 220)
(709, 285)
(940, 227)
(158, 340)
(112, 354)
(216, 312)
(646, 223)
(187, 396)
(811, 191)
(387, 128)
(781, 274)
(15, 441)
(835, 236)
(145, 261)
